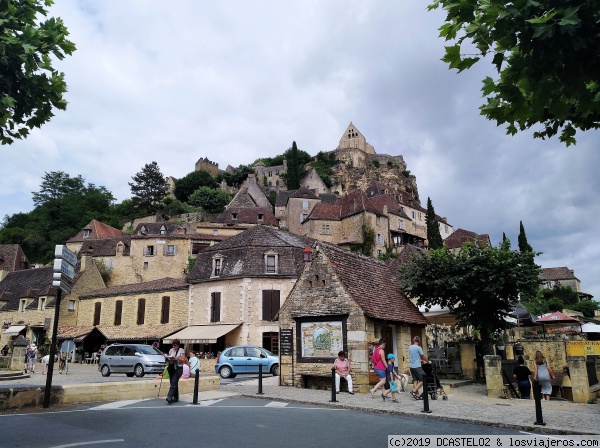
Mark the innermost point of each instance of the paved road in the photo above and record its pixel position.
(247, 422)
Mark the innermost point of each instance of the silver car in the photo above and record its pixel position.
(131, 359)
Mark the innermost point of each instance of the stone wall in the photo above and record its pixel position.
(295, 210)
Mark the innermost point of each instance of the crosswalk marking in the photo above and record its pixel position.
(117, 404)
(276, 404)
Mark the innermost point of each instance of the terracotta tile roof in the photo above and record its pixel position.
(29, 283)
(391, 202)
(243, 255)
(304, 192)
(248, 215)
(163, 284)
(12, 258)
(105, 247)
(377, 188)
(561, 273)
(69, 332)
(357, 202)
(372, 286)
(96, 229)
(328, 212)
(461, 236)
(139, 332)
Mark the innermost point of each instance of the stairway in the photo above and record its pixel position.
(9, 375)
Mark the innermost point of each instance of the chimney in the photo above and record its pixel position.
(85, 262)
(385, 209)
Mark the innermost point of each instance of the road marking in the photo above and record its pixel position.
(276, 404)
(95, 442)
(117, 404)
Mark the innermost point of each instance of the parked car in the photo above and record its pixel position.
(246, 359)
(131, 359)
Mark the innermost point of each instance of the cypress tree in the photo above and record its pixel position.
(293, 174)
(433, 228)
(523, 244)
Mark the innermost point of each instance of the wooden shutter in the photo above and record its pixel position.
(215, 307)
(266, 305)
(271, 304)
(118, 312)
(97, 309)
(141, 311)
(164, 314)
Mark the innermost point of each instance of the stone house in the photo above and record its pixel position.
(93, 231)
(237, 287)
(314, 183)
(461, 236)
(271, 176)
(347, 221)
(12, 258)
(344, 301)
(297, 208)
(141, 312)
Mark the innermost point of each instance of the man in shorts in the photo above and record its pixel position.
(417, 357)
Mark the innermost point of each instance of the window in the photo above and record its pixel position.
(377, 220)
(141, 312)
(271, 342)
(71, 306)
(170, 250)
(86, 233)
(215, 232)
(234, 216)
(97, 311)
(216, 267)
(164, 311)
(304, 205)
(304, 217)
(42, 304)
(149, 251)
(163, 230)
(271, 263)
(402, 208)
(260, 216)
(446, 229)
(325, 229)
(215, 306)
(145, 265)
(22, 305)
(270, 304)
(280, 212)
(400, 224)
(118, 312)
(414, 215)
(378, 240)
(378, 252)
(420, 216)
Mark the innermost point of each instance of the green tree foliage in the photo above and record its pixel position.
(567, 295)
(29, 85)
(294, 169)
(433, 228)
(323, 165)
(272, 198)
(64, 205)
(555, 304)
(478, 283)
(211, 200)
(170, 207)
(189, 183)
(148, 188)
(523, 244)
(235, 179)
(546, 55)
(587, 307)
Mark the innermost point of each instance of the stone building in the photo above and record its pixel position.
(93, 231)
(314, 183)
(203, 164)
(462, 236)
(237, 287)
(344, 301)
(271, 176)
(12, 258)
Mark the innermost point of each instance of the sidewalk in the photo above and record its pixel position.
(466, 404)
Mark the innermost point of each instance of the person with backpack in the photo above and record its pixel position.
(377, 359)
(31, 357)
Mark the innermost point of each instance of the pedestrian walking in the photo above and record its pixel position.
(417, 357)
(543, 373)
(176, 361)
(379, 366)
(391, 378)
(31, 357)
(522, 375)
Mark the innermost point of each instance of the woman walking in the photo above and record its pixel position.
(543, 373)
(379, 366)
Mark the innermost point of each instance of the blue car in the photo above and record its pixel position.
(246, 359)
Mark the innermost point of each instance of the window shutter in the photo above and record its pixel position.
(141, 311)
(164, 316)
(118, 312)
(266, 305)
(97, 309)
(165, 250)
(215, 311)
(145, 250)
(174, 250)
(275, 305)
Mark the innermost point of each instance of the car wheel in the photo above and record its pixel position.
(129, 374)
(105, 370)
(139, 370)
(225, 372)
(275, 370)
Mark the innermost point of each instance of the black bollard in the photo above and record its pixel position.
(537, 396)
(196, 384)
(425, 396)
(260, 392)
(333, 400)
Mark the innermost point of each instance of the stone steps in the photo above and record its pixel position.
(8, 375)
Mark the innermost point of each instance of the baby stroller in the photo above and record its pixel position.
(434, 387)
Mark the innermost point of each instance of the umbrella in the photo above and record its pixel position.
(588, 328)
(555, 318)
(519, 315)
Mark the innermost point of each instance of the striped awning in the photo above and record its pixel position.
(14, 330)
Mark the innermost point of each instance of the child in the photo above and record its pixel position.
(391, 377)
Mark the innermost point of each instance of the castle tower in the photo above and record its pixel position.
(353, 139)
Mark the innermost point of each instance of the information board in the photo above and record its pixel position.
(286, 341)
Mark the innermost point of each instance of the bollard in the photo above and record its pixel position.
(196, 383)
(333, 399)
(537, 396)
(260, 392)
(425, 396)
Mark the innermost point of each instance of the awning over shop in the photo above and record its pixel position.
(14, 330)
(438, 315)
(201, 334)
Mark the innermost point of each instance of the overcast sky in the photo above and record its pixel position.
(234, 81)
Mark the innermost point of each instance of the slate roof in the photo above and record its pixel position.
(171, 228)
(248, 215)
(97, 230)
(462, 236)
(243, 255)
(105, 247)
(162, 284)
(561, 273)
(304, 192)
(282, 197)
(372, 286)
(12, 258)
(30, 283)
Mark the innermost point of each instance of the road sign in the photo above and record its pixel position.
(65, 268)
(65, 254)
(62, 285)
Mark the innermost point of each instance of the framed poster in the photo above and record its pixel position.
(320, 339)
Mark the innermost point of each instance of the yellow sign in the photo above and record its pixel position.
(583, 348)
